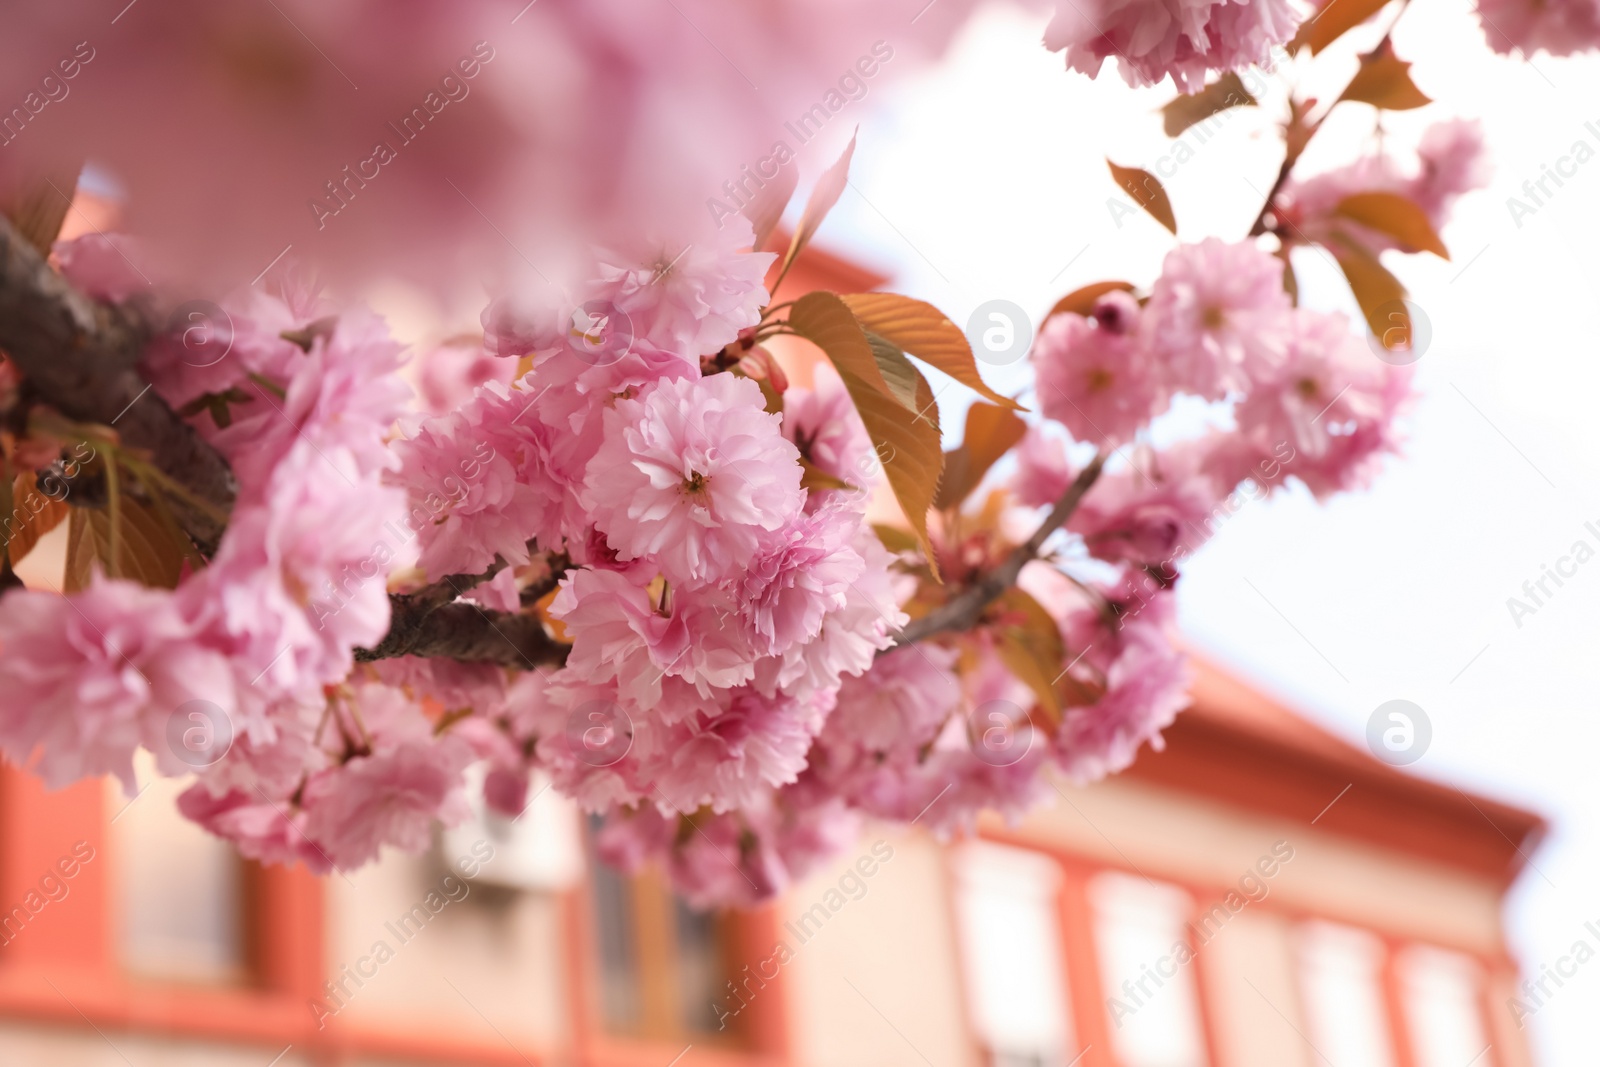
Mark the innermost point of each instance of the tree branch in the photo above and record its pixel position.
(466, 632)
(961, 612)
(78, 356)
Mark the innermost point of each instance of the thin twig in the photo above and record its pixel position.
(961, 612)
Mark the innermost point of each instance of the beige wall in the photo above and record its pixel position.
(1175, 835)
(27, 1046)
(879, 983)
(493, 953)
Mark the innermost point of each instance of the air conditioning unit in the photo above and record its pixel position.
(540, 850)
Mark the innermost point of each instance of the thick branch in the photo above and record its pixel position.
(962, 611)
(78, 356)
(465, 632)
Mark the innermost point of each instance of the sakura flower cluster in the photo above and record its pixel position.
(262, 634)
(1153, 39)
(628, 470)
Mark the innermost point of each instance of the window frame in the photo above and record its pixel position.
(1085, 989)
(749, 934)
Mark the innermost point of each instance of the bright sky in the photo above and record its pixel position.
(987, 181)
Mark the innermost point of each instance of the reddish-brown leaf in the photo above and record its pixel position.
(906, 437)
(1082, 301)
(991, 433)
(1146, 191)
(1384, 80)
(922, 330)
(1395, 215)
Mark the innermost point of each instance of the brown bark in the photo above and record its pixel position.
(78, 356)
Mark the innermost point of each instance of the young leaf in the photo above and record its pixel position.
(895, 539)
(1396, 216)
(1379, 293)
(37, 209)
(767, 206)
(1384, 80)
(1081, 301)
(31, 516)
(1332, 22)
(922, 330)
(1147, 192)
(1226, 92)
(147, 552)
(1029, 644)
(823, 197)
(907, 440)
(816, 478)
(991, 433)
(897, 371)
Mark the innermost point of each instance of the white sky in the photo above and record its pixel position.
(986, 179)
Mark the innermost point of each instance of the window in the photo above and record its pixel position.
(179, 891)
(1146, 966)
(1341, 979)
(1441, 992)
(1007, 903)
(663, 968)
(537, 850)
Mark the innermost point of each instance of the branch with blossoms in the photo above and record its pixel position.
(605, 542)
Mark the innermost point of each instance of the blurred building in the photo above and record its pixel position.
(1259, 894)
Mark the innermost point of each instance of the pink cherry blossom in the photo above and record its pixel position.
(1146, 685)
(850, 638)
(1451, 161)
(800, 574)
(1216, 316)
(105, 266)
(471, 476)
(619, 635)
(1094, 376)
(693, 474)
(1186, 39)
(259, 827)
(725, 754)
(394, 796)
(452, 372)
(88, 678)
(1043, 471)
(1331, 401)
(1559, 27)
(1149, 514)
(691, 295)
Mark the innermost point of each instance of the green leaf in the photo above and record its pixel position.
(922, 330)
(1395, 215)
(1082, 301)
(1384, 80)
(1224, 93)
(1147, 192)
(906, 438)
(1332, 22)
(991, 433)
